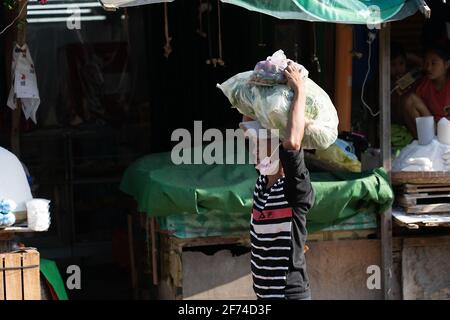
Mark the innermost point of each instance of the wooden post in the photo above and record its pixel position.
(20, 40)
(385, 144)
(154, 251)
(134, 279)
(343, 79)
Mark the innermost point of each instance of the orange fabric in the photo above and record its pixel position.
(437, 101)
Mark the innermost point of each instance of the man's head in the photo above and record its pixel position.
(263, 147)
(398, 61)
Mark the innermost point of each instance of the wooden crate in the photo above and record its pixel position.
(424, 198)
(420, 177)
(19, 276)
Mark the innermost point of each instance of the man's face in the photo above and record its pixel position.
(398, 67)
(262, 148)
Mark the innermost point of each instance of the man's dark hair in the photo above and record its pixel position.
(397, 50)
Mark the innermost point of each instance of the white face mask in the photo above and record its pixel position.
(268, 166)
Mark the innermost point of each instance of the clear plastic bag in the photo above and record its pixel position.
(270, 72)
(270, 106)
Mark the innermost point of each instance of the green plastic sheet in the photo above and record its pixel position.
(164, 189)
(338, 11)
(51, 273)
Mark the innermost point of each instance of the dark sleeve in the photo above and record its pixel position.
(298, 188)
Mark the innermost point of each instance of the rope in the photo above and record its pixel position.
(167, 47)
(20, 268)
(220, 60)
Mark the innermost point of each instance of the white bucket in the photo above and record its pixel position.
(443, 131)
(38, 214)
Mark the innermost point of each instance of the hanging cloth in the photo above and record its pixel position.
(24, 83)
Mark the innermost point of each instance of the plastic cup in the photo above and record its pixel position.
(425, 129)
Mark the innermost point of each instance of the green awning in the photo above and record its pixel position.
(369, 12)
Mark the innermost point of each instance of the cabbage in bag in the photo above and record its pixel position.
(270, 106)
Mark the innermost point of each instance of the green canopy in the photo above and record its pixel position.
(369, 12)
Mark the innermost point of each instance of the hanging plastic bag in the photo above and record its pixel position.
(270, 105)
(24, 83)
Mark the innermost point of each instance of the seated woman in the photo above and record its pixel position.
(432, 95)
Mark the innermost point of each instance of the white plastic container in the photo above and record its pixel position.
(38, 214)
(443, 131)
(425, 129)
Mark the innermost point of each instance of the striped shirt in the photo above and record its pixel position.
(271, 228)
(270, 233)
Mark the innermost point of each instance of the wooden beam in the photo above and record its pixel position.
(343, 75)
(134, 278)
(154, 250)
(385, 144)
(20, 39)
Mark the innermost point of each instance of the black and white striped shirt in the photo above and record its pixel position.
(278, 231)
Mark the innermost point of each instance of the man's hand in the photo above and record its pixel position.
(295, 78)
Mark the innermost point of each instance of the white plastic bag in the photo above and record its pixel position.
(270, 105)
(271, 71)
(416, 157)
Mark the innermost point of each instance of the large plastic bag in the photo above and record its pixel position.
(416, 157)
(270, 106)
(339, 156)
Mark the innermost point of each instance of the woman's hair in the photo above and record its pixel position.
(441, 49)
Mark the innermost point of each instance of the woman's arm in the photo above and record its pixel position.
(296, 121)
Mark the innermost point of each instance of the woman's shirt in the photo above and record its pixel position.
(437, 101)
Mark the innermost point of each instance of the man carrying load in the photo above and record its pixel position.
(282, 197)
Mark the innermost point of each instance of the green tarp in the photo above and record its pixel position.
(369, 12)
(51, 273)
(162, 189)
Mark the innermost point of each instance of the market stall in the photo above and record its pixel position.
(208, 205)
(20, 266)
(20, 213)
(159, 191)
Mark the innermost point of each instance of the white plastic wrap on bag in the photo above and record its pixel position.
(38, 214)
(416, 157)
(270, 105)
(271, 71)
